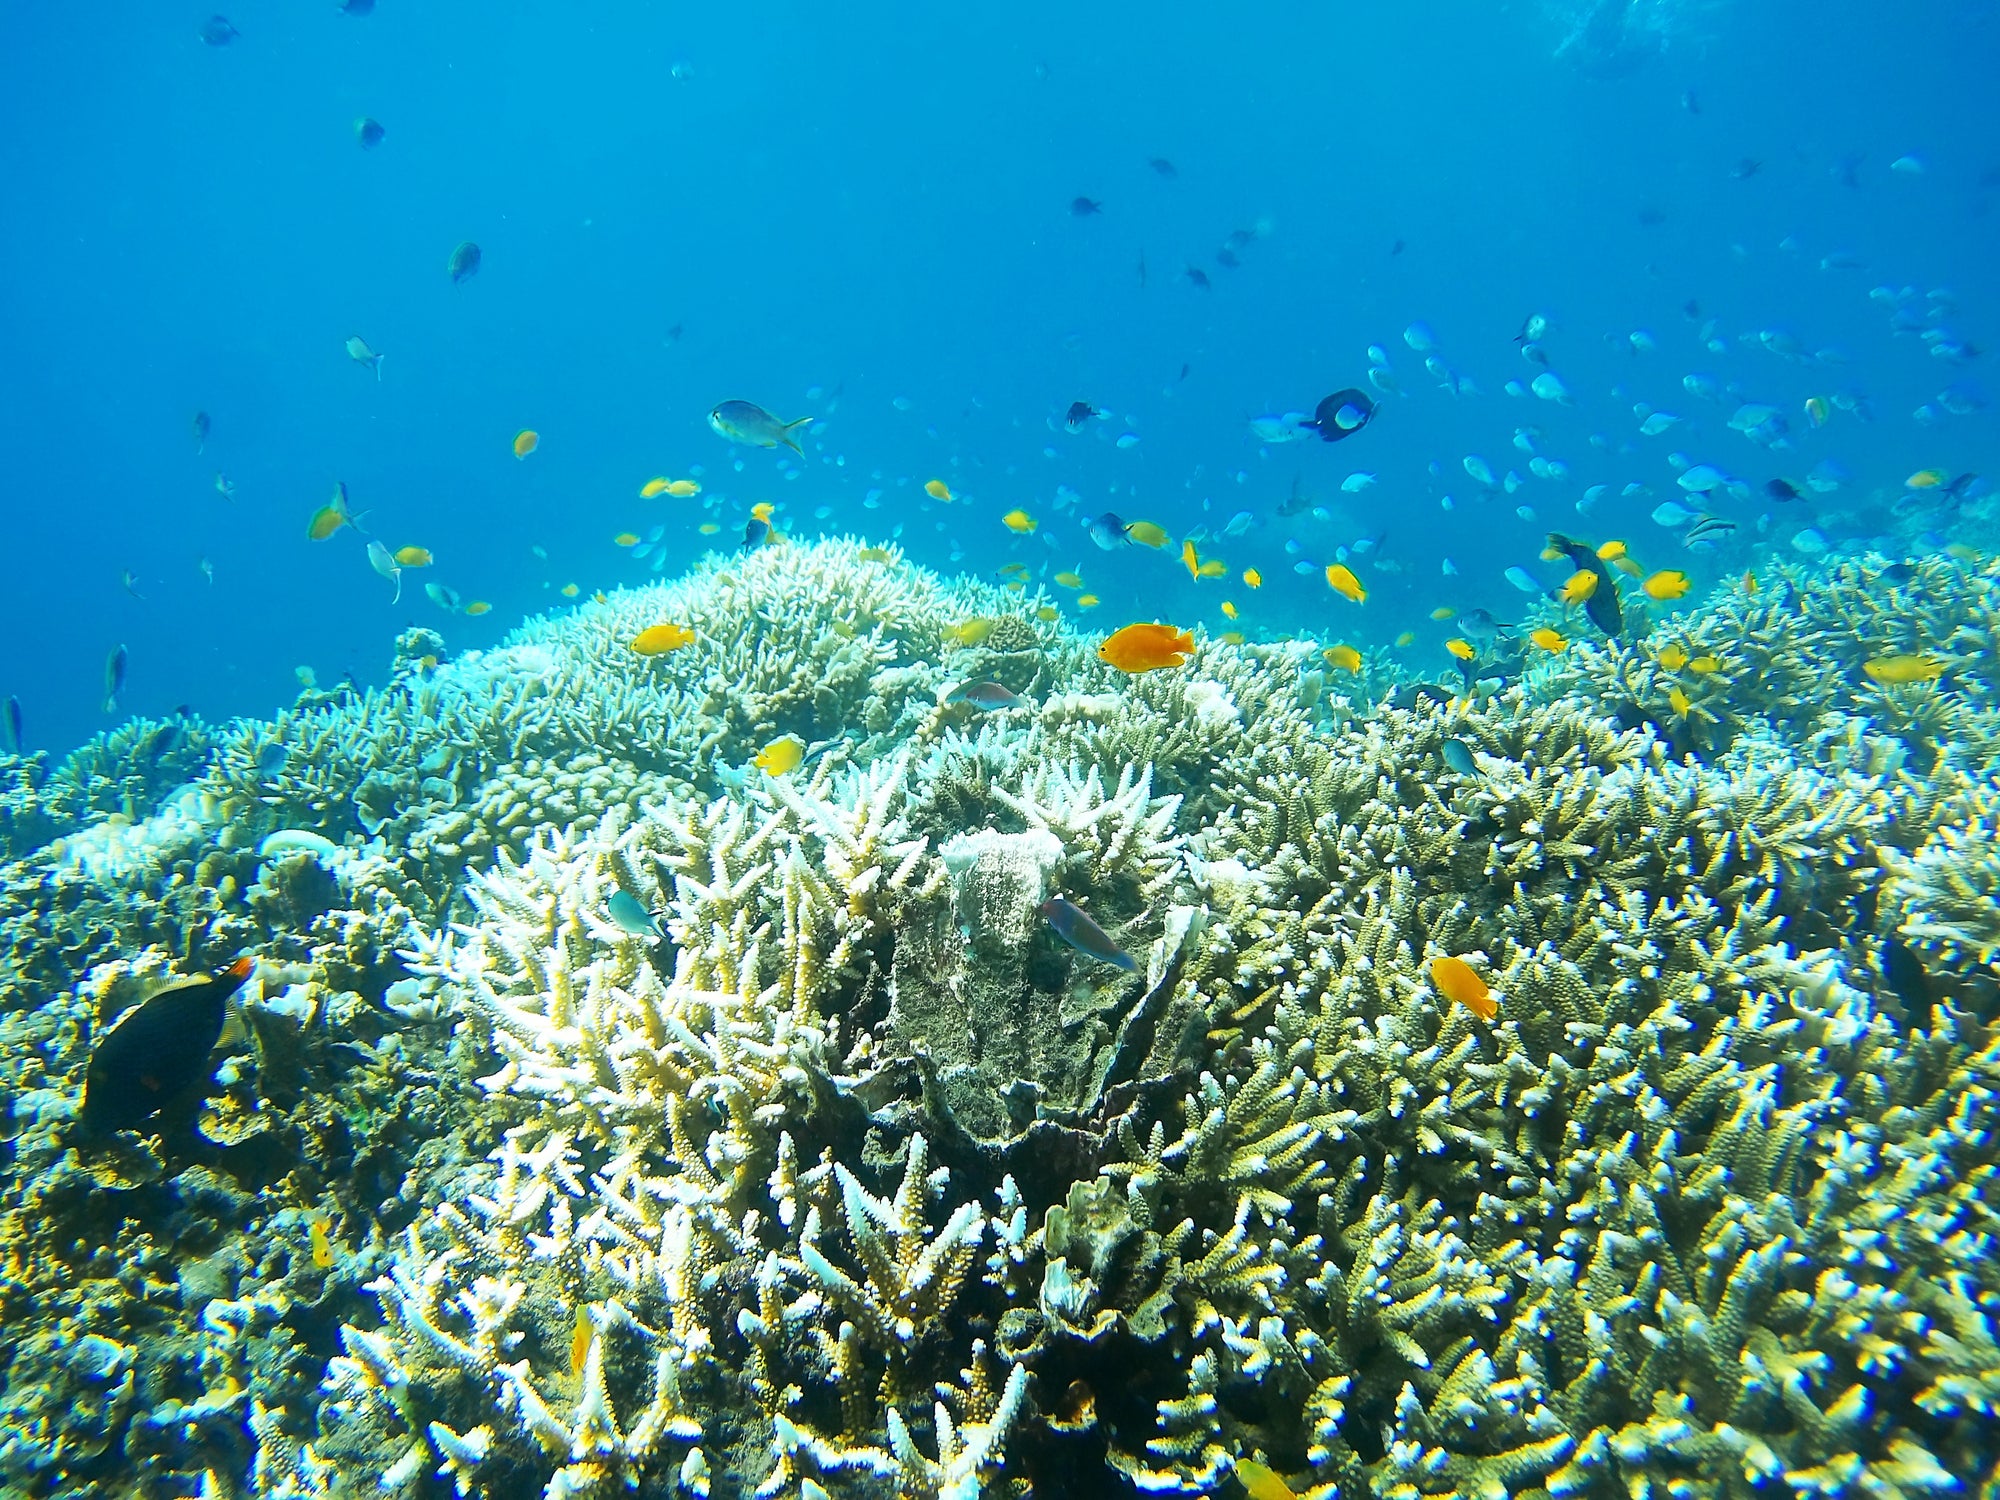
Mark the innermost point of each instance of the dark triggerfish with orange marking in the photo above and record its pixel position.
(158, 1049)
(1074, 927)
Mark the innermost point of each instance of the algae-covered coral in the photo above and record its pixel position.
(850, 1179)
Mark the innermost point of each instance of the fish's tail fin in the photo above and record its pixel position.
(111, 703)
(398, 597)
(786, 436)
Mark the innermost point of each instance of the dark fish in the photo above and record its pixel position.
(1680, 743)
(1226, 258)
(1197, 278)
(1602, 606)
(1745, 169)
(1238, 238)
(629, 913)
(114, 677)
(1108, 531)
(368, 132)
(984, 696)
(464, 262)
(217, 31)
(12, 723)
(1782, 490)
(1395, 249)
(164, 739)
(200, 429)
(158, 1050)
(674, 334)
(1458, 756)
(357, 7)
(1904, 972)
(1901, 572)
(1083, 208)
(1079, 412)
(1961, 486)
(1691, 310)
(1413, 694)
(1164, 167)
(755, 533)
(1076, 929)
(272, 757)
(1342, 414)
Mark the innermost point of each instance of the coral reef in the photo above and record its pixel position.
(834, 1172)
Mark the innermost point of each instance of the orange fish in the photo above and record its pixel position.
(1458, 980)
(526, 441)
(1146, 648)
(658, 640)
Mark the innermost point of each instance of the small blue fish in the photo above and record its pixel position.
(1075, 928)
(1108, 531)
(629, 914)
(1457, 755)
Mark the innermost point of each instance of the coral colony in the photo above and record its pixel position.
(852, 1179)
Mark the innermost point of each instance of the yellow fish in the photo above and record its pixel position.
(1048, 612)
(1019, 522)
(652, 489)
(1407, 638)
(1212, 567)
(570, 591)
(1344, 657)
(1260, 1483)
(763, 510)
(658, 640)
(1460, 648)
(1549, 640)
(526, 441)
(680, 489)
(876, 555)
(1087, 601)
(1340, 578)
(1628, 566)
(1252, 579)
(1925, 479)
(579, 1341)
(937, 489)
(1458, 981)
(709, 528)
(1917, 666)
(970, 632)
(1190, 561)
(1962, 552)
(1012, 569)
(414, 557)
(1443, 612)
(780, 756)
(1749, 583)
(1070, 580)
(1611, 551)
(1705, 664)
(1229, 609)
(1580, 586)
(1680, 701)
(477, 607)
(322, 1243)
(1673, 658)
(1146, 534)
(330, 517)
(1668, 583)
(1231, 638)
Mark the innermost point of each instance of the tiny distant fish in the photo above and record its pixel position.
(1083, 208)
(368, 133)
(1074, 926)
(218, 32)
(200, 428)
(225, 486)
(114, 677)
(11, 721)
(361, 354)
(1079, 413)
(1197, 278)
(1164, 167)
(464, 262)
(357, 7)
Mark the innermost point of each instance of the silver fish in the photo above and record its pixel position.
(747, 422)
(383, 561)
(361, 354)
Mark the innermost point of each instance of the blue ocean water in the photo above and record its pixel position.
(866, 217)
